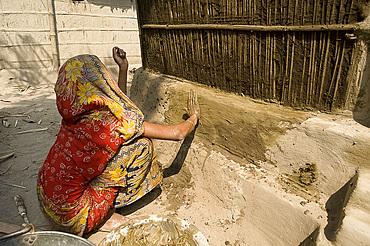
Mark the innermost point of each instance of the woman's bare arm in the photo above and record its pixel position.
(179, 131)
(171, 132)
(119, 56)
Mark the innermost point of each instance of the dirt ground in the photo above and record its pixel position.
(252, 173)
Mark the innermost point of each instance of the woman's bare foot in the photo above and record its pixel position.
(113, 222)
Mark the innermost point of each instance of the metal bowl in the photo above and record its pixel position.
(46, 238)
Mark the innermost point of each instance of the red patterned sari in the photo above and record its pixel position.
(99, 159)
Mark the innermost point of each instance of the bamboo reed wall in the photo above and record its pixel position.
(296, 52)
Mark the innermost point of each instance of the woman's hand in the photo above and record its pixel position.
(193, 105)
(119, 56)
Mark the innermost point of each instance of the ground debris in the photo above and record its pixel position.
(6, 123)
(13, 185)
(33, 130)
(6, 156)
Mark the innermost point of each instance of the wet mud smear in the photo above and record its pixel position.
(308, 174)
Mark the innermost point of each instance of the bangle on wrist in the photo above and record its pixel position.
(190, 122)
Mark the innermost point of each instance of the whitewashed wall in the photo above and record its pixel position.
(24, 35)
(94, 27)
(90, 26)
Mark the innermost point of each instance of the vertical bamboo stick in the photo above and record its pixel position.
(170, 12)
(314, 12)
(281, 13)
(332, 12)
(267, 13)
(338, 76)
(291, 72)
(226, 59)
(201, 55)
(189, 40)
(207, 13)
(176, 52)
(286, 70)
(197, 62)
(192, 11)
(239, 12)
(267, 83)
(275, 13)
(334, 73)
(240, 54)
(321, 60)
(246, 12)
(226, 44)
(257, 71)
(222, 53)
(264, 80)
(256, 57)
(313, 79)
(325, 65)
(158, 42)
(169, 60)
(197, 12)
(260, 71)
(309, 84)
(287, 13)
(210, 10)
(228, 48)
(339, 19)
(173, 53)
(254, 11)
(176, 11)
(209, 56)
(214, 55)
(253, 62)
(274, 65)
(349, 12)
(303, 12)
(295, 12)
(180, 47)
(350, 80)
(184, 12)
(184, 45)
(303, 69)
(308, 9)
(271, 60)
(325, 12)
(247, 62)
(219, 59)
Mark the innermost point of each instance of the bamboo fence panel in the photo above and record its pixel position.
(295, 52)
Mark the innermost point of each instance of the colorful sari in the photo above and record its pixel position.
(99, 159)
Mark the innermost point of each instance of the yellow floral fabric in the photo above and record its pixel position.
(99, 159)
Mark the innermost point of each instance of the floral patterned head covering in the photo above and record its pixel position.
(86, 92)
(97, 119)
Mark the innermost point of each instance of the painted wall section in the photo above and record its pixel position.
(24, 35)
(81, 27)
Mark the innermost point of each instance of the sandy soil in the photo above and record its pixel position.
(252, 173)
